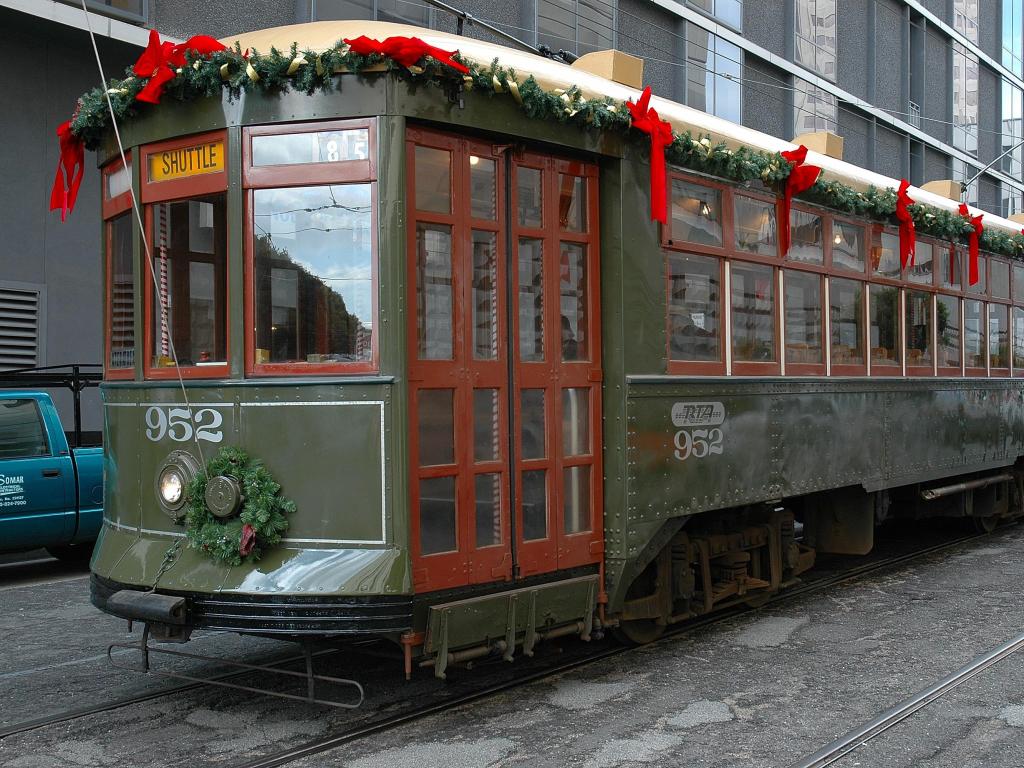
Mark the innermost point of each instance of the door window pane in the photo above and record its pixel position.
(482, 186)
(999, 279)
(121, 299)
(21, 430)
(803, 318)
(755, 226)
(486, 413)
(437, 515)
(313, 147)
(948, 308)
(974, 333)
(190, 261)
(950, 267)
(753, 319)
(434, 296)
(488, 510)
(884, 327)
(847, 246)
(485, 295)
(531, 197)
(978, 287)
(885, 256)
(313, 273)
(535, 505)
(437, 426)
(921, 272)
(919, 328)
(572, 203)
(577, 499)
(1018, 282)
(531, 300)
(573, 288)
(433, 180)
(999, 335)
(1018, 338)
(846, 317)
(696, 213)
(693, 307)
(805, 238)
(533, 422)
(576, 421)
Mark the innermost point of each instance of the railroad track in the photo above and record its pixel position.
(380, 725)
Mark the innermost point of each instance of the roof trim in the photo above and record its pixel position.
(70, 16)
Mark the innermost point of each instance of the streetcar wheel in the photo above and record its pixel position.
(638, 631)
(985, 524)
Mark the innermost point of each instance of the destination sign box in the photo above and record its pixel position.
(183, 162)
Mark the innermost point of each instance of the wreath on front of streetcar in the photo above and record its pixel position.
(234, 510)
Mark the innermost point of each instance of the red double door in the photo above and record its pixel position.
(504, 362)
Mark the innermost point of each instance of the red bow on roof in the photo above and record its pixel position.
(160, 60)
(647, 120)
(972, 242)
(70, 169)
(405, 50)
(907, 231)
(801, 178)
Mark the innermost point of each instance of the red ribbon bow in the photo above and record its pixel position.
(907, 231)
(647, 120)
(405, 50)
(248, 540)
(972, 242)
(801, 178)
(70, 170)
(160, 60)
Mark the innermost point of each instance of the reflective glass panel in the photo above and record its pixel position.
(847, 246)
(573, 288)
(535, 505)
(999, 335)
(22, 433)
(436, 426)
(488, 509)
(921, 271)
(805, 238)
(577, 499)
(313, 270)
(437, 515)
(121, 297)
(1018, 283)
(974, 333)
(433, 180)
(696, 213)
(576, 422)
(531, 196)
(884, 328)
(753, 318)
(531, 300)
(950, 267)
(120, 181)
(531, 410)
(486, 430)
(948, 327)
(482, 186)
(803, 318)
(694, 303)
(190, 261)
(572, 203)
(485, 295)
(999, 279)
(919, 328)
(755, 226)
(1018, 338)
(434, 291)
(885, 256)
(314, 147)
(846, 314)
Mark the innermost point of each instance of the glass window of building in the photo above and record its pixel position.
(966, 72)
(727, 11)
(816, 36)
(1013, 130)
(693, 307)
(399, 11)
(963, 172)
(948, 326)
(577, 26)
(713, 71)
(1013, 36)
(1012, 199)
(813, 108)
(965, 18)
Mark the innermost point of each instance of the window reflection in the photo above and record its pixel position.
(693, 309)
(885, 327)
(433, 180)
(312, 251)
(753, 320)
(713, 73)
(531, 300)
(488, 509)
(805, 236)
(921, 272)
(974, 333)
(847, 246)
(573, 288)
(846, 313)
(311, 147)
(434, 292)
(948, 326)
(696, 213)
(1018, 338)
(919, 328)
(803, 317)
(885, 256)
(999, 335)
(755, 226)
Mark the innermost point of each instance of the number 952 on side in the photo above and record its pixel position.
(697, 443)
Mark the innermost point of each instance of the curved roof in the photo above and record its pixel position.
(322, 35)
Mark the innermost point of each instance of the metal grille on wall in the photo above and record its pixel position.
(21, 312)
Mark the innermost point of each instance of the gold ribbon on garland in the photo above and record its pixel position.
(251, 72)
(297, 62)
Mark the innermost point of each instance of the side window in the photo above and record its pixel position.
(21, 430)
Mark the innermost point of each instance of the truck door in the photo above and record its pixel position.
(34, 508)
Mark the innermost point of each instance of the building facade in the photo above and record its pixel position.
(925, 89)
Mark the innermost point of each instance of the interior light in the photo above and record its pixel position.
(705, 209)
(474, 160)
(837, 239)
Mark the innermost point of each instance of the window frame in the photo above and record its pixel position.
(178, 190)
(696, 367)
(308, 175)
(112, 207)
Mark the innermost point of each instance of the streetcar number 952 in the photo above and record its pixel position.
(697, 443)
(176, 424)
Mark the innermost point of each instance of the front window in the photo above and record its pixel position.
(22, 434)
(693, 308)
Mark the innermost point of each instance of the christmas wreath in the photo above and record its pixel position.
(262, 511)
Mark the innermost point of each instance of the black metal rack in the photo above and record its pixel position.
(73, 376)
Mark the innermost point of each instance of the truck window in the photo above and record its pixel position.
(21, 430)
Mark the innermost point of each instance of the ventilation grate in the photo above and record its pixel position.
(19, 328)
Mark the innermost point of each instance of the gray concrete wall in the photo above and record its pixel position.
(938, 89)
(855, 46)
(936, 165)
(854, 128)
(765, 107)
(762, 24)
(184, 18)
(990, 14)
(647, 31)
(890, 56)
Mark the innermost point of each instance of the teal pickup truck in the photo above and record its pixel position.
(51, 489)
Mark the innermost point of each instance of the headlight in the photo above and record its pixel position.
(172, 480)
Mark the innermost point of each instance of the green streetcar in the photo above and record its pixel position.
(491, 400)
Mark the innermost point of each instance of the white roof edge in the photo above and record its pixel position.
(70, 16)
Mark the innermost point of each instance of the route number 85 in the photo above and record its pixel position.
(697, 443)
(176, 424)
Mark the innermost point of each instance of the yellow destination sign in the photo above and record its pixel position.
(186, 161)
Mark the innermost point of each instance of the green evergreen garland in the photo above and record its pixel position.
(311, 72)
(262, 507)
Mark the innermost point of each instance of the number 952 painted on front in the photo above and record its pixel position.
(175, 423)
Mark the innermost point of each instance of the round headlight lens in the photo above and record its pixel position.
(172, 486)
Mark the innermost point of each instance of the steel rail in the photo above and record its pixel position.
(861, 735)
(417, 713)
